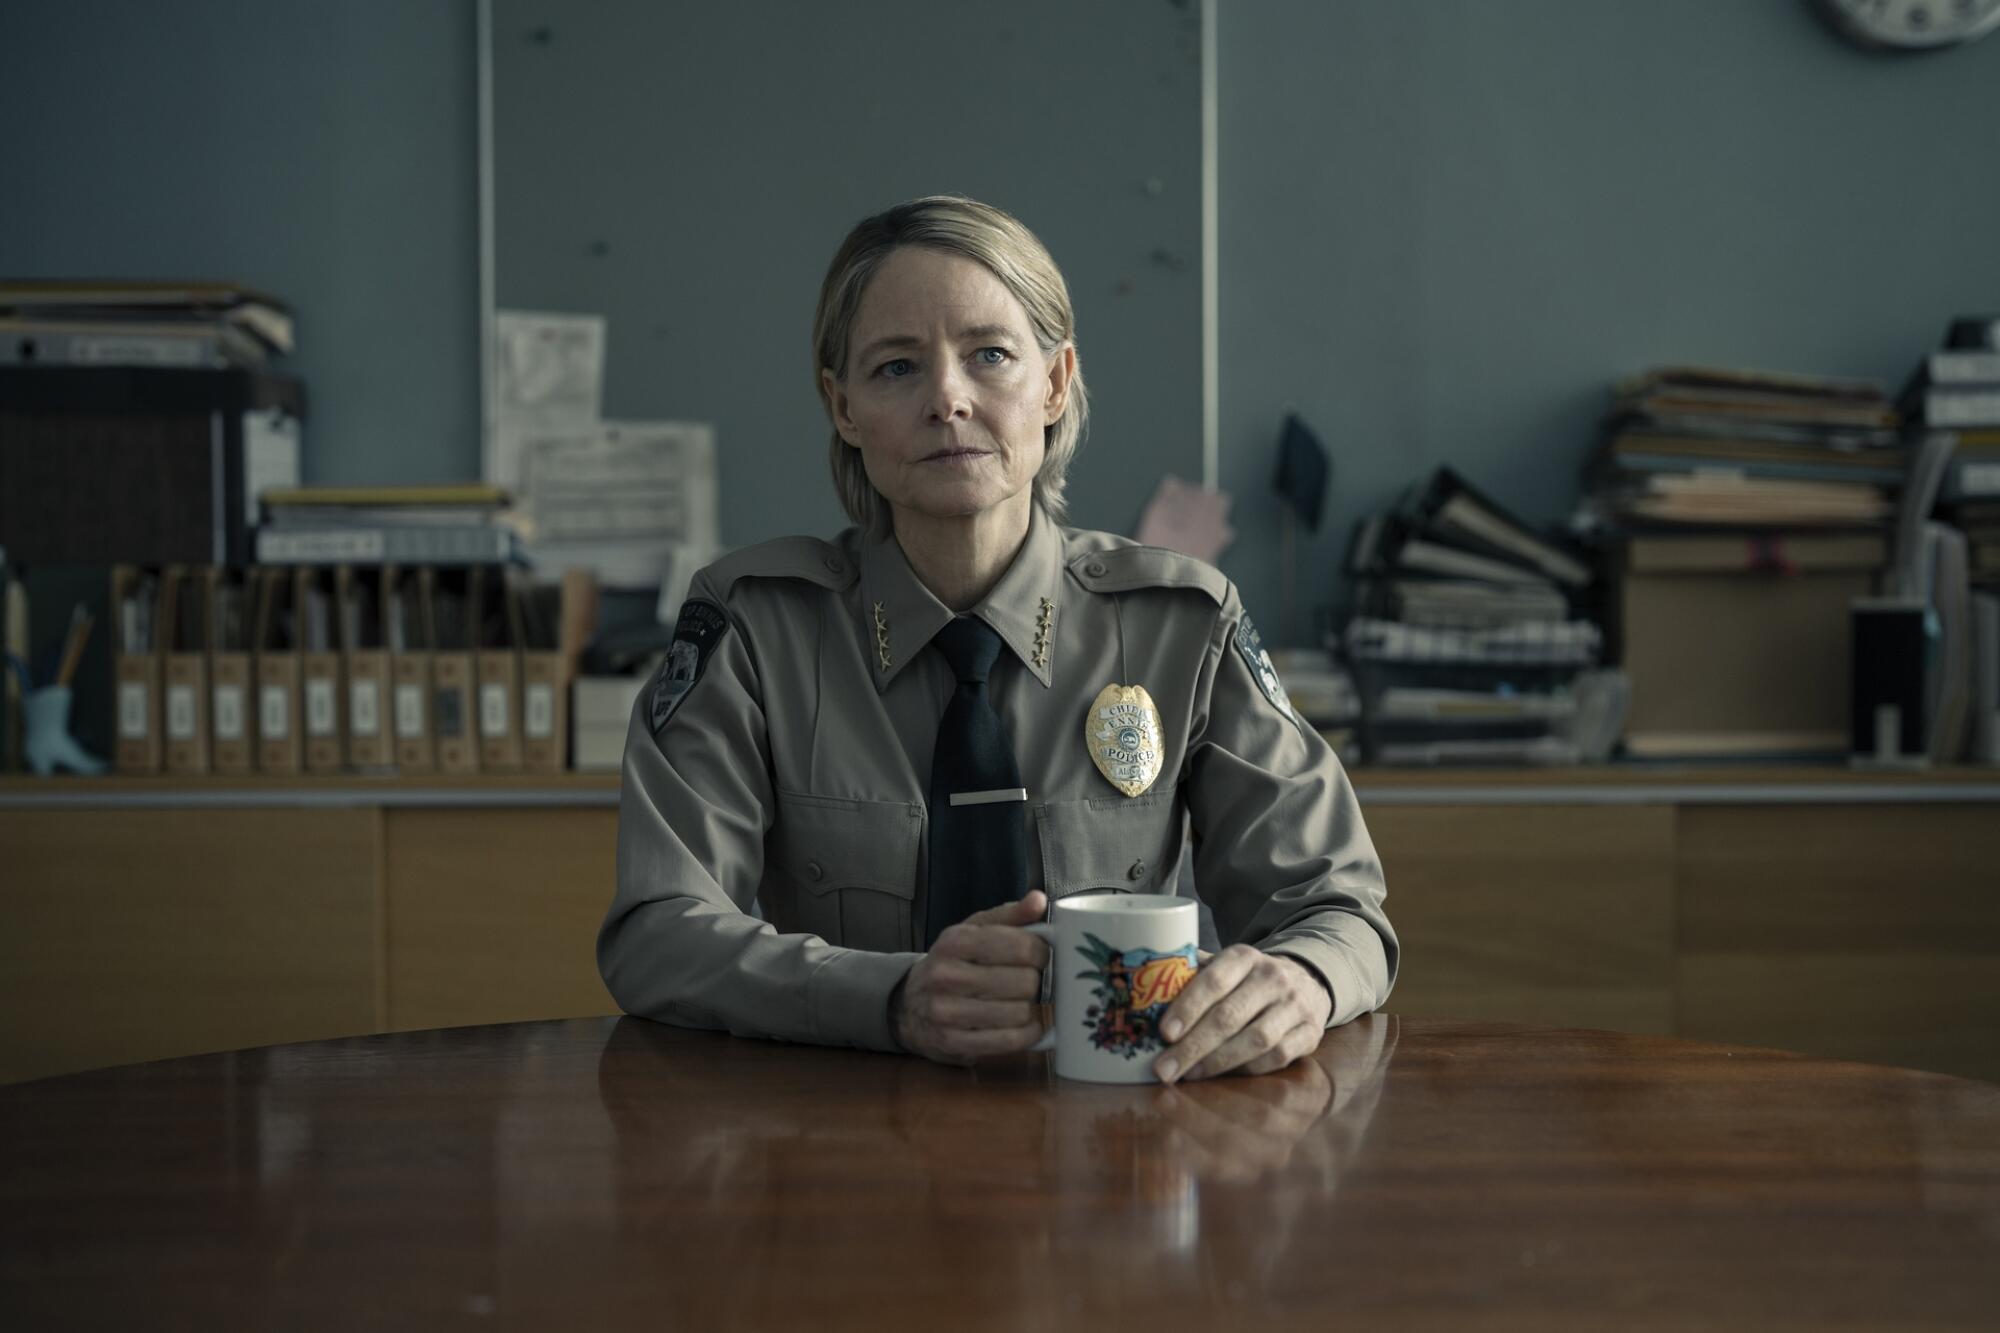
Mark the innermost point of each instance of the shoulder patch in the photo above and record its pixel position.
(1250, 647)
(806, 558)
(696, 633)
(1123, 568)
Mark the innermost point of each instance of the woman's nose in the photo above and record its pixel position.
(950, 394)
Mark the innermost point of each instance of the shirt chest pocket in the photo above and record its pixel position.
(843, 870)
(1131, 844)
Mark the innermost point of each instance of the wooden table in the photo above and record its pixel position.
(599, 1173)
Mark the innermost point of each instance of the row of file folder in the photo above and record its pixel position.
(364, 668)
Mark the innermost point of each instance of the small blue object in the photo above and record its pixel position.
(47, 744)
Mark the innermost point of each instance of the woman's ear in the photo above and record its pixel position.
(1062, 368)
(834, 394)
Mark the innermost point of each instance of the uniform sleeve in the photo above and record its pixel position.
(679, 945)
(1281, 855)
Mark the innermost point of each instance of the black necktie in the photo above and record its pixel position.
(979, 847)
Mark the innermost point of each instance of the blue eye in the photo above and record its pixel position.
(894, 370)
(1000, 355)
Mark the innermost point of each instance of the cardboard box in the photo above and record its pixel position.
(364, 665)
(136, 659)
(556, 621)
(406, 629)
(232, 613)
(1740, 645)
(496, 667)
(321, 709)
(184, 613)
(602, 709)
(275, 664)
(454, 725)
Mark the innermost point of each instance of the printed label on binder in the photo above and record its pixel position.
(319, 708)
(538, 711)
(493, 710)
(229, 712)
(410, 711)
(450, 712)
(131, 710)
(274, 718)
(363, 718)
(180, 712)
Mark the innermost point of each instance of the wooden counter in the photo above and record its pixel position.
(1846, 914)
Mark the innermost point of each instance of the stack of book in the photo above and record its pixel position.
(1740, 512)
(1695, 447)
(395, 525)
(186, 325)
(1956, 392)
(1979, 520)
(1949, 565)
(1463, 641)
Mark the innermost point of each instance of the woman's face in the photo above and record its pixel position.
(946, 394)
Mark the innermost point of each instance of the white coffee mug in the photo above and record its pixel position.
(1118, 961)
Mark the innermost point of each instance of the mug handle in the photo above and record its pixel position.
(1046, 933)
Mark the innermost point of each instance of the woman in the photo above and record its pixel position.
(883, 737)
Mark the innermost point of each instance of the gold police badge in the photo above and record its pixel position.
(1123, 731)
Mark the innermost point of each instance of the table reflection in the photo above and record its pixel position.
(598, 1173)
(1079, 1195)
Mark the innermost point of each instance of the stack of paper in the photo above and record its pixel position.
(1463, 636)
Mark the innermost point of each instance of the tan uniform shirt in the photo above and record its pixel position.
(782, 756)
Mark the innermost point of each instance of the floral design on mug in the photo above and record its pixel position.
(1134, 988)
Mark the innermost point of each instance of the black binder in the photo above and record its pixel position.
(141, 465)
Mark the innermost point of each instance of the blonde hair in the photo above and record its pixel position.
(951, 224)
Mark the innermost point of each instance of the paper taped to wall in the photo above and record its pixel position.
(633, 500)
(548, 375)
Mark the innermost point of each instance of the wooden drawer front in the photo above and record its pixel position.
(1860, 932)
(140, 934)
(1541, 914)
(493, 914)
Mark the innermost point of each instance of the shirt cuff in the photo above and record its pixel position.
(850, 998)
(1330, 969)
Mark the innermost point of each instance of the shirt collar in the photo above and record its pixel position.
(900, 615)
(1023, 605)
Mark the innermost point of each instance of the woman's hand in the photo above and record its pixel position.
(1246, 1009)
(975, 992)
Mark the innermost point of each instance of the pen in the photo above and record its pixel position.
(80, 623)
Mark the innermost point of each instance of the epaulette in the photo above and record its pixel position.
(806, 558)
(1123, 568)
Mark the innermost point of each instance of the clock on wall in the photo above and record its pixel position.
(1911, 25)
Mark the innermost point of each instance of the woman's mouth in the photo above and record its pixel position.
(954, 455)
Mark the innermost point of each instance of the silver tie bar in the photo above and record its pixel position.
(993, 797)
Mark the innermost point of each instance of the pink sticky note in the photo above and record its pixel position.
(1187, 518)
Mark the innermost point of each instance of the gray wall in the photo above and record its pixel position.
(1445, 226)
(748, 138)
(323, 151)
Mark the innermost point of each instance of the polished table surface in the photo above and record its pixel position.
(600, 1173)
